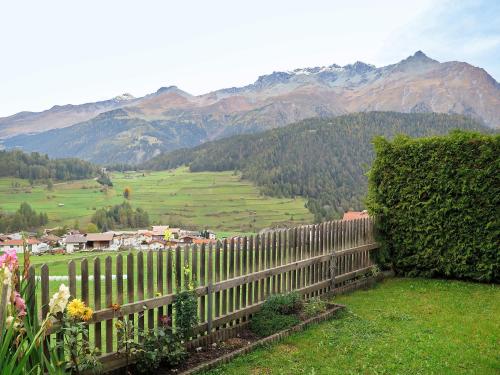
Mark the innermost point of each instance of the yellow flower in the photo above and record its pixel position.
(87, 314)
(76, 308)
(118, 324)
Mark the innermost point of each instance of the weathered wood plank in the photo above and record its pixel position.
(251, 265)
(225, 269)
(159, 282)
(150, 286)
(140, 289)
(72, 278)
(130, 282)
(97, 301)
(202, 281)
(209, 290)
(108, 288)
(231, 274)
(237, 272)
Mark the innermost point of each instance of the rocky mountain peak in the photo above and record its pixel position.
(171, 89)
(419, 57)
(124, 97)
(360, 67)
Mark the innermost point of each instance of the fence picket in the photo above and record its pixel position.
(150, 282)
(159, 281)
(108, 288)
(97, 301)
(140, 288)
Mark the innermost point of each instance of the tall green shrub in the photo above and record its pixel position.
(437, 202)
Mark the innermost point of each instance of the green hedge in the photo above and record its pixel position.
(437, 203)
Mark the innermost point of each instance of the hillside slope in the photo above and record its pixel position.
(324, 160)
(171, 118)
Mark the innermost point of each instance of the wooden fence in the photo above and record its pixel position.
(232, 278)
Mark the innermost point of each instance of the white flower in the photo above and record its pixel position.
(59, 300)
(7, 275)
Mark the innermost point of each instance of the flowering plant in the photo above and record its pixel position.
(14, 304)
(82, 357)
(21, 335)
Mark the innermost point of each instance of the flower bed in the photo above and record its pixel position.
(202, 359)
(245, 337)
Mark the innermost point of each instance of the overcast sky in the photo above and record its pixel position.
(59, 52)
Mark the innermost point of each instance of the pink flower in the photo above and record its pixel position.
(9, 259)
(19, 304)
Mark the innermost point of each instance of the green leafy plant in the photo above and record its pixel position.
(127, 346)
(278, 312)
(313, 307)
(82, 357)
(159, 346)
(186, 313)
(289, 303)
(186, 307)
(267, 322)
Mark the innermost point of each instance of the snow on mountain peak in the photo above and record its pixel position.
(124, 97)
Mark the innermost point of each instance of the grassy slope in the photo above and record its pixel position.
(220, 201)
(404, 326)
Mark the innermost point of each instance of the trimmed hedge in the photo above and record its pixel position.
(437, 203)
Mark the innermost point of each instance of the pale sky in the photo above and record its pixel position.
(60, 52)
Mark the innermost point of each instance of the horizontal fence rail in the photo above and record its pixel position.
(232, 279)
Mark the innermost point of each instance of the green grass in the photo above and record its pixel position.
(403, 326)
(217, 200)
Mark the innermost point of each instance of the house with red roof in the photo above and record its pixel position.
(353, 215)
(31, 244)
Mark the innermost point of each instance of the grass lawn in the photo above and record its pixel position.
(220, 201)
(403, 326)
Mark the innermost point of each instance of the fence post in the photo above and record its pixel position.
(209, 289)
(333, 263)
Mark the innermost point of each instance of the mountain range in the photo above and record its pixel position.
(133, 130)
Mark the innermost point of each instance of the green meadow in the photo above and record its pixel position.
(220, 201)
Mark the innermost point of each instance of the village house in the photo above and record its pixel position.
(160, 230)
(101, 241)
(51, 240)
(187, 239)
(206, 241)
(156, 245)
(32, 245)
(353, 215)
(75, 242)
(127, 239)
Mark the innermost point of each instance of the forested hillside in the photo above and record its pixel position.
(324, 160)
(35, 166)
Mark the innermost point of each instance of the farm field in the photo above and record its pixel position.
(220, 201)
(402, 326)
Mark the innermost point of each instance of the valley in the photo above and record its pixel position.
(220, 201)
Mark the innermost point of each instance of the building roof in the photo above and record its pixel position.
(159, 230)
(75, 238)
(29, 241)
(353, 215)
(199, 241)
(100, 236)
(51, 237)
